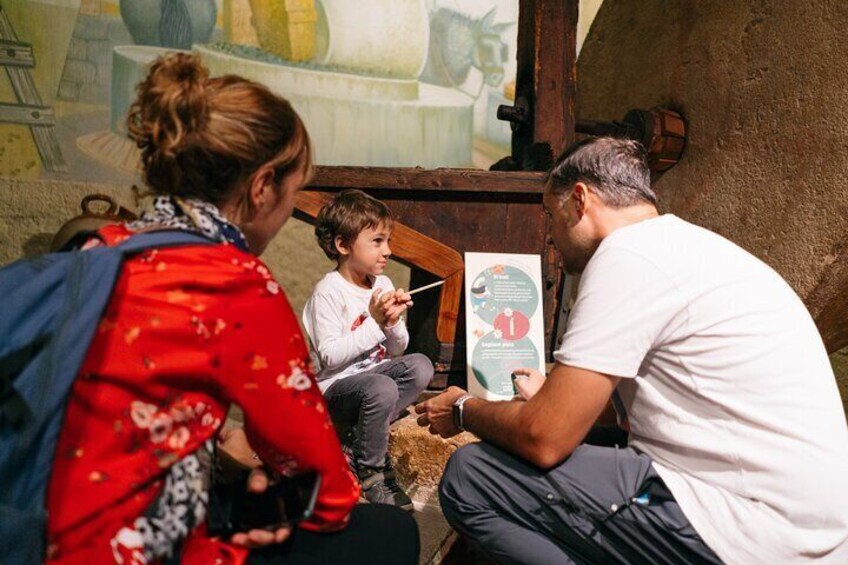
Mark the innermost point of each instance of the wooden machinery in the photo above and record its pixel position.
(442, 213)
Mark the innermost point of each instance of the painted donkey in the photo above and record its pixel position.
(459, 42)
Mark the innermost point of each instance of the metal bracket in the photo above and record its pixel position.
(660, 130)
(518, 115)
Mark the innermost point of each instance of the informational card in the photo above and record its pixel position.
(504, 326)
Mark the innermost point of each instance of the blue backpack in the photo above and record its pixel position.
(50, 307)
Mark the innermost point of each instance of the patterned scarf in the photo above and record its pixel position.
(192, 214)
(182, 504)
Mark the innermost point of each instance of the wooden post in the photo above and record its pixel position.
(545, 87)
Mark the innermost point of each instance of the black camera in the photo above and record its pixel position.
(232, 509)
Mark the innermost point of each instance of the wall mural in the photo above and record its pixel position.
(378, 82)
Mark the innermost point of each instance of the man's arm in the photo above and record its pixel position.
(543, 430)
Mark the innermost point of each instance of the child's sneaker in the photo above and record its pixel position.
(380, 487)
(347, 439)
(347, 451)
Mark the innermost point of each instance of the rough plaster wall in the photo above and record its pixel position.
(31, 212)
(762, 87)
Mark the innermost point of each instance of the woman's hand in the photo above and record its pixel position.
(257, 483)
(237, 451)
(233, 441)
(528, 382)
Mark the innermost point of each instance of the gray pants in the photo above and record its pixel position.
(370, 401)
(601, 505)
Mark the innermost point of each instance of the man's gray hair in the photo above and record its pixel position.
(615, 169)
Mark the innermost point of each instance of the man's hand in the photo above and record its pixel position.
(438, 413)
(528, 382)
(544, 429)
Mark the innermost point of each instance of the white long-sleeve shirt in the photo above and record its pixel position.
(344, 338)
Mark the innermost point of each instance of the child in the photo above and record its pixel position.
(358, 337)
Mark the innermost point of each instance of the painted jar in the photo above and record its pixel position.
(169, 23)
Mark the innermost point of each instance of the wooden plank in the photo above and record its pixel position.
(438, 180)
(23, 114)
(413, 249)
(464, 226)
(553, 52)
(555, 72)
(525, 77)
(16, 54)
(24, 87)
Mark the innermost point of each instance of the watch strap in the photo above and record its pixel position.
(458, 411)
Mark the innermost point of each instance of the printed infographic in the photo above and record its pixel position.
(503, 320)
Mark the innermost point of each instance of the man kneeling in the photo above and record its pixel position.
(738, 448)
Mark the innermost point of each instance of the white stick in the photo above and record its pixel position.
(420, 288)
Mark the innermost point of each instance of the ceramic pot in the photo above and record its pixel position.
(175, 24)
(380, 37)
(91, 220)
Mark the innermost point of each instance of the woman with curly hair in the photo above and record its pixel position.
(190, 330)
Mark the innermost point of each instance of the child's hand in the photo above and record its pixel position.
(387, 308)
(400, 303)
(402, 297)
(379, 305)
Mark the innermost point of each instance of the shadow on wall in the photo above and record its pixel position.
(760, 110)
(37, 244)
(839, 360)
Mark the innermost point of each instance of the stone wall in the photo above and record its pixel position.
(31, 212)
(88, 69)
(762, 86)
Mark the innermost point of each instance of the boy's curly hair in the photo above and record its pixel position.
(345, 216)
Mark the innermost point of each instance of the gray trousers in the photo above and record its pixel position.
(601, 505)
(368, 402)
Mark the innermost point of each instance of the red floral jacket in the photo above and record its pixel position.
(187, 332)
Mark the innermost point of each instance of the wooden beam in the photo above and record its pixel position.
(16, 54)
(413, 249)
(23, 114)
(24, 87)
(400, 178)
(555, 72)
(546, 85)
(525, 79)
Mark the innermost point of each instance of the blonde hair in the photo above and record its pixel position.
(203, 137)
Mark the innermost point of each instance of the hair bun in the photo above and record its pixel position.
(172, 103)
(184, 69)
(204, 137)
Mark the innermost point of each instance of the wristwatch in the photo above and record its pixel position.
(457, 410)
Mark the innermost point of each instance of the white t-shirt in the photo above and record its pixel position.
(344, 338)
(726, 385)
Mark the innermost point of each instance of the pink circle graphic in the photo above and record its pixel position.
(512, 324)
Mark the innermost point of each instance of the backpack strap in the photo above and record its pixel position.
(162, 238)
